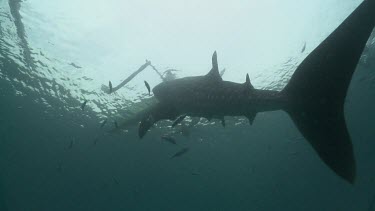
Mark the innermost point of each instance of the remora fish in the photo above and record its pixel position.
(303, 48)
(74, 65)
(169, 138)
(115, 180)
(71, 144)
(181, 152)
(178, 120)
(148, 88)
(83, 105)
(103, 123)
(314, 97)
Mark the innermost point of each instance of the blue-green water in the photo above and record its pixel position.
(54, 156)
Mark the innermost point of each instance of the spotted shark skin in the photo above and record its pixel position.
(211, 97)
(314, 97)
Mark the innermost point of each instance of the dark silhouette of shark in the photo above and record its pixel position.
(314, 96)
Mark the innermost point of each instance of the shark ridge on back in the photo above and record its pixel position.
(210, 96)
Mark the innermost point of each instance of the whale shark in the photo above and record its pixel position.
(314, 96)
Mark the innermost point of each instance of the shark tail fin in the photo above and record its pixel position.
(317, 90)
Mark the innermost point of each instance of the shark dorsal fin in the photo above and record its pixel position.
(248, 83)
(215, 66)
(214, 72)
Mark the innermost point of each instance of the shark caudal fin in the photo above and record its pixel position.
(318, 88)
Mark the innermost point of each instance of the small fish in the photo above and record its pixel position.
(184, 130)
(116, 125)
(71, 144)
(148, 88)
(169, 138)
(223, 121)
(74, 65)
(303, 48)
(110, 87)
(83, 105)
(181, 152)
(96, 140)
(178, 120)
(372, 204)
(59, 167)
(116, 181)
(103, 123)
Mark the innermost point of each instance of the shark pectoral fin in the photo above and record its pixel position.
(156, 113)
(251, 117)
(145, 125)
(178, 120)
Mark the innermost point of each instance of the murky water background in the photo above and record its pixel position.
(54, 156)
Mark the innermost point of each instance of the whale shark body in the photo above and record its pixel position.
(314, 97)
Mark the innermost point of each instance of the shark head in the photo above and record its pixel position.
(161, 89)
